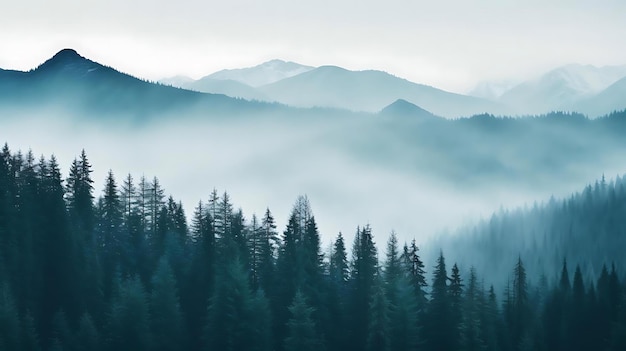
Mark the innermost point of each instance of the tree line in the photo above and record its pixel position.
(588, 226)
(127, 270)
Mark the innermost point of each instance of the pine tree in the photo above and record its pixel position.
(153, 195)
(128, 197)
(577, 321)
(166, 317)
(199, 281)
(313, 284)
(213, 211)
(286, 277)
(440, 329)
(363, 277)
(239, 238)
(267, 251)
(339, 275)
(233, 322)
(456, 309)
(302, 334)
(80, 194)
(110, 231)
(404, 313)
(339, 270)
(472, 329)
(564, 283)
(416, 273)
(519, 318)
(59, 264)
(393, 267)
(255, 245)
(128, 324)
(491, 321)
(378, 338)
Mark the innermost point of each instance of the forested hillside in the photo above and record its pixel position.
(588, 228)
(119, 269)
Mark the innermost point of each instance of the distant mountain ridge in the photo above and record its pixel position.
(68, 80)
(263, 74)
(568, 88)
(370, 91)
(73, 79)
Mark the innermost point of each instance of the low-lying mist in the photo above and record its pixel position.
(418, 179)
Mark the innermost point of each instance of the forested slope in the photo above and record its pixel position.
(588, 228)
(121, 270)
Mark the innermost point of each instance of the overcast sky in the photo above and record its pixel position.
(451, 44)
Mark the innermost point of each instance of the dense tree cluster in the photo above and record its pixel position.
(588, 226)
(124, 271)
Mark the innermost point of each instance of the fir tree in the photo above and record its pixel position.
(440, 329)
(166, 317)
(302, 334)
(378, 338)
(128, 324)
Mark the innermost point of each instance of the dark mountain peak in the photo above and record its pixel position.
(67, 54)
(402, 104)
(68, 61)
(405, 108)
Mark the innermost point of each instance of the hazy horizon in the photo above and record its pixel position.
(492, 40)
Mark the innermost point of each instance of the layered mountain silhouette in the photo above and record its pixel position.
(569, 88)
(242, 82)
(610, 99)
(370, 91)
(403, 108)
(70, 81)
(232, 88)
(263, 74)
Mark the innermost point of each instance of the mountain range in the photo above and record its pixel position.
(478, 162)
(572, 87)
(68, 79)
(592, 90)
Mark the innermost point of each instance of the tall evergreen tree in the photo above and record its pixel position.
(416, 273)
(80, 194)
(302, 332)
(363, 277)
(473, 333)
(339, 275)
(339, 269)
(404, 317)
(166, 317)
(393, 267)
(128, 322)
(267, 251)
(519, 317)
(233, 315)
(378, 336)
(59, 263)
(200, 278)
(110, 232)
(440, 329)
(286, 277)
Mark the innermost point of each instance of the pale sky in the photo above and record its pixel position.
(451, 44)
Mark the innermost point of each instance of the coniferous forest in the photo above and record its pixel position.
(120, 266)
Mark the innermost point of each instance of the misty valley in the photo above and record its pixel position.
(288, 207)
